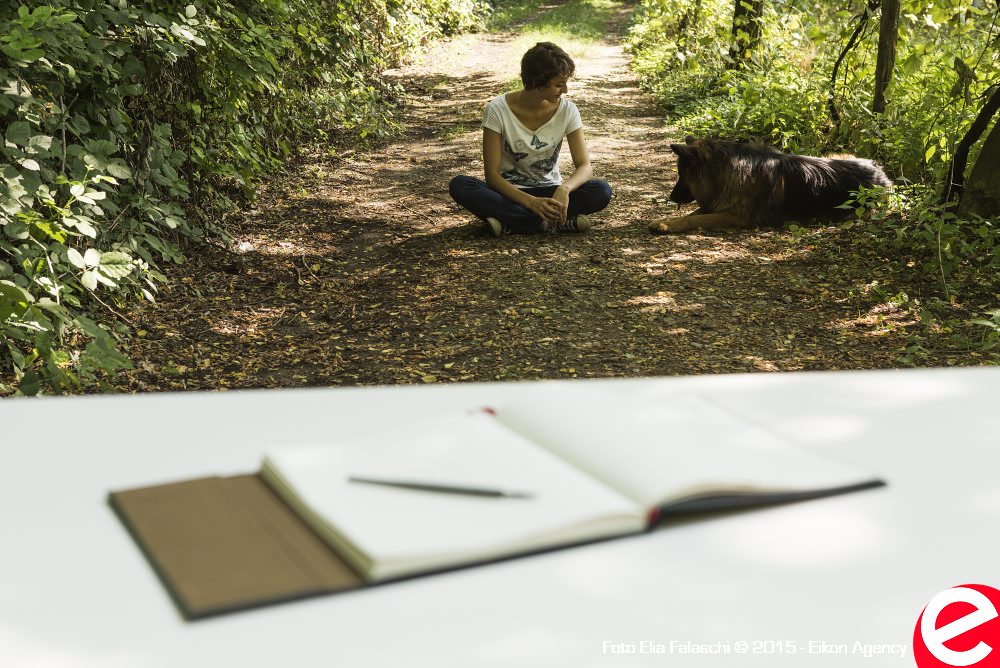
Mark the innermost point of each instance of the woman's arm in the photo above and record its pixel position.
(581, 174)
(545, 208)
(581, 161)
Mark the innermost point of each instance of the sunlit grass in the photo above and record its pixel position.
(576, 26)
(576, 18)
(507, 14)
(580, 19)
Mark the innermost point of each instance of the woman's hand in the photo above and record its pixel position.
(555, 209)
(561, 195)
(550, 210)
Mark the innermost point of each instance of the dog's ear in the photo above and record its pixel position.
(684, 151)
(689, 139)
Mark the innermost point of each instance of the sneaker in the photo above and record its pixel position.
(496, 227)
(579, 223)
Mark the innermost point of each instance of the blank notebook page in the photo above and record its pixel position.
(401, 524)
(655, 451)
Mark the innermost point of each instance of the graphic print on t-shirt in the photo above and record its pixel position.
(516, 155)
(545, 165)
(518, 179)
(536, 143)
(530, 158)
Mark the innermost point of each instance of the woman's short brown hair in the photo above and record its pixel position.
(542, 63)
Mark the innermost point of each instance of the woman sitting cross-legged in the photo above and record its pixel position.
(523, 133)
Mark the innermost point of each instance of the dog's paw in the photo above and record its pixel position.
(660, 228)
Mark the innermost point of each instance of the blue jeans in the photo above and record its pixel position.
(484, 202)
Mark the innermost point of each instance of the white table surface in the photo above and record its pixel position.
(75, 591)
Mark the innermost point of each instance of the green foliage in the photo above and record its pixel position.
(961, 255)
(913, 222)
(990, 331)
(947, 61)
(129, 127)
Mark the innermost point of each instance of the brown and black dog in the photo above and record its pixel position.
(747, 185)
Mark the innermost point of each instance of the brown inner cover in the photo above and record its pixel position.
(222, 544)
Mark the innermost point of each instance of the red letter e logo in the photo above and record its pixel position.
(959, 627)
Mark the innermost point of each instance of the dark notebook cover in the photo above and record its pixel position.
(224, 544)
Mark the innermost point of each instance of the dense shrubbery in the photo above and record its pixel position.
(130, 125)
(947, 58)
(947, 64)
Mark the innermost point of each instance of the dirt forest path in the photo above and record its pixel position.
(359, 269)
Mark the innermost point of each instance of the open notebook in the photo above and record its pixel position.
(593, 470)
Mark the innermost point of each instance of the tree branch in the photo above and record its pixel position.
(955, 180)
(851, 43)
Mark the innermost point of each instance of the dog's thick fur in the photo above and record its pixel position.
(748, 185)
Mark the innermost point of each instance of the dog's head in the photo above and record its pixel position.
(688, 162)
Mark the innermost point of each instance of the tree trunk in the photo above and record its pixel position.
(888, 34)
(954, 182)
(691, 18)
(982, 191)
(748, 16)
(862, 22)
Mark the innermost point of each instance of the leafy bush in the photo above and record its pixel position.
(912, 221)
(129, 127)
(946, 62)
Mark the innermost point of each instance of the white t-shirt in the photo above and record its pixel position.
(530, 158)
